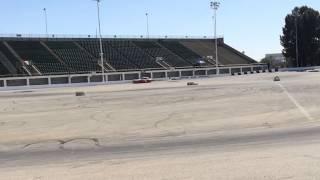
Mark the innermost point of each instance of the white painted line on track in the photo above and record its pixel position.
(296, 103)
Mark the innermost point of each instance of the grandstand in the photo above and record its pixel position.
(51, 56)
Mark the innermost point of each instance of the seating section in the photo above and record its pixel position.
(136, 56)
(205, 49)
(11, 57)
(112, 56)
(3, 70)
(226, 55)
(60, 56)
(155, 50)
(78, 60)
(38, 56)
(183, 52)
(236, 56)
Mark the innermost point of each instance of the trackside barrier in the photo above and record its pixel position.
(299, 69)
(118, 77)
(245, 72)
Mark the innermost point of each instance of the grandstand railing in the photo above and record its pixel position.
(90, 36)
(120, 77)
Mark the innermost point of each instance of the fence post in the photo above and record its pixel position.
(106, 78)
(69, 79)
(28, 82)
(49, 81)
(123, 76)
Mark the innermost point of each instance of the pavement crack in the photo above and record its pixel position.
(169, 117)
(62, 143)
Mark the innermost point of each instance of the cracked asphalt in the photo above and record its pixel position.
(241, 122)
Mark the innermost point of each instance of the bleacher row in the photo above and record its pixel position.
(58, 56)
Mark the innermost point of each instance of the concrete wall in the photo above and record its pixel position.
(60, 80)
(96, 78)
(246, 69)
(224, 71)
(159, 75)
(235, 70)
(79, 79)
(131, 76)
(40, 81)
(119, 76)
(115, 77)
(173, 74)
(17, 82)
(212, 72)
(200, 73)
(257, 68)
(146, 75)
(186, 73)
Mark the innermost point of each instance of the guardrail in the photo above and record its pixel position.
(116, 77)
(89, 36)
(300, 68)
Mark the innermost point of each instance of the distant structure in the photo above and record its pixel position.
(276, 59)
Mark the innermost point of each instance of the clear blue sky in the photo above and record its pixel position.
(253, 26)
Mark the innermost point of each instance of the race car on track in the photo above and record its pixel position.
(142, 80)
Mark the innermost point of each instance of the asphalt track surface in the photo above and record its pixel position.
(253, 111)
(215, 143)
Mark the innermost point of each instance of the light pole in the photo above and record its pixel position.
(100, 41)
(297, 41)
(215, 5)
(46, 20)
(148, 35)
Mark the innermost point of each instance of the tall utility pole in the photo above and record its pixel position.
(297, 42)
(46, 21)
(148, 35)
(215, 5)
(100, 41)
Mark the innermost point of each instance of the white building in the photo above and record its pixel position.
(276, 58)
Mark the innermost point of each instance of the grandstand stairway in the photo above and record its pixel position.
(64, 66)
(107, 66)
(11, 52)
(39, 59)
(163, 63)
(34, 71)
